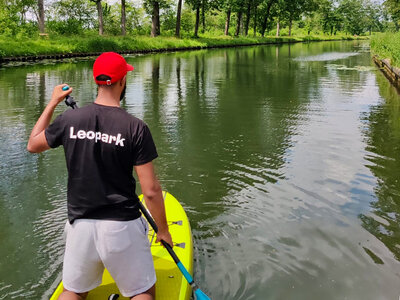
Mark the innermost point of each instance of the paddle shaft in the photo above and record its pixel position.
(167, 246)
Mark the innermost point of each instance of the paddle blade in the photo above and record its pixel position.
(200, 295)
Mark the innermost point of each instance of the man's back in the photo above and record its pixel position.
(101, 144)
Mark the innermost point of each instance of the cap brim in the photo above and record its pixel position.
(129, 67)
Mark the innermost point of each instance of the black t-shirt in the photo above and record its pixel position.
(101, 145)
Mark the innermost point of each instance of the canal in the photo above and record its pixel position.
(286, 159)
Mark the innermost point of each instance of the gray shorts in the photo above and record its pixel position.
(120, 246)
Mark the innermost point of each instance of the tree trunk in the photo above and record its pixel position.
(100, 16)
(265, 21)
(155, 20)
(41, 16)
(248, 15)
(239, 20)
(178, 19)
(23, 15)
(196, 25)
(123, 18)
(277, 28)
(228, 21)
(290, 27)
(203, 16)
(255, 21)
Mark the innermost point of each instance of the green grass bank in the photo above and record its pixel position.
(387, 46)
(72, 45)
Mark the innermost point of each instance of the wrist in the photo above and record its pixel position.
(53, 104)
(163, 231)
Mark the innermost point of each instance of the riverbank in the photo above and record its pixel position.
(75, 46)
(385, 48)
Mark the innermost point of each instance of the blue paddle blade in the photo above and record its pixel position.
(200, 295)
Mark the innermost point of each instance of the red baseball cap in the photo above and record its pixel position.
(112, 65)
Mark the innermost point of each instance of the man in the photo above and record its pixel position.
(102, 145)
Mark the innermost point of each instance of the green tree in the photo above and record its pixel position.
(99, 15)
(310, 22)
(239, 8)
(265, 14)
(13, 17)
(353, 12)
(195, 5)
(393, 9)
(228, 17)
(294, 10)
(280, 14)
(136, 19)
(112, 18)
(178, 19)
(249, 5)
(331, 18)
(225, 7)
(123, 17)
(9, 19)
(373, 16)
(71, 16)
(40, 16)
(153, 7)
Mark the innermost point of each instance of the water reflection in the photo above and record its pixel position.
(280, 162)
(383, 138)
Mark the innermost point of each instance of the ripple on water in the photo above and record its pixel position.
(327, 56)
(347, 68)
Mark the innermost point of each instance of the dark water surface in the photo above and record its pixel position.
(286, 159)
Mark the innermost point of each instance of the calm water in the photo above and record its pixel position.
(286, 159)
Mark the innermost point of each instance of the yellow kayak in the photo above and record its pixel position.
(170, 283)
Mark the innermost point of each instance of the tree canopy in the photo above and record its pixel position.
(191, 17)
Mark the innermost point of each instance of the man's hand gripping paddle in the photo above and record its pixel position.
(69, 100)
(200, 295)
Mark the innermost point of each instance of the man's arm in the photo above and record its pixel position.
(37, 141)
(152, 193)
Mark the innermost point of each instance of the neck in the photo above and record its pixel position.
(107, 97)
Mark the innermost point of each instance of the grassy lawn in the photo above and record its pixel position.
(13, 47)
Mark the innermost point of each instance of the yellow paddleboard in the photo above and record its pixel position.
(170, 285)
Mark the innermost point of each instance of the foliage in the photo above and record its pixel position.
(330, 17)
(353, 16)
(387, 45)
(168, 19)
(393, 9)
(79, 17)
(187, 20)
(373, 17)
(13, 17)
(71, 16)
(148, 5)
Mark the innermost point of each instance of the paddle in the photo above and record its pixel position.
(200, 295)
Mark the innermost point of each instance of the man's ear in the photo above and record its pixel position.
(122, 81)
